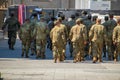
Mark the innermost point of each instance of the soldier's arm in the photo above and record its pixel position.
(18, 24)
(91, 33)
(114, 37)
(51, 33)
(20, 32)
(71, 34)
(105, 35)
(34, 33)
(85, 33)
(47, 30)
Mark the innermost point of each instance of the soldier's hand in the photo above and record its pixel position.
(85, 42)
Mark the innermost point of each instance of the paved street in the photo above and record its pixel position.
(13, 67)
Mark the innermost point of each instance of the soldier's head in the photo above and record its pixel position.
(60, 19)
(94, 18)
(35, 15)
(98, 21)
(77, 14)
(111, 16)
(52, 18)
(72, 16)
(89, 17)
(118, 21)
(63, 17)
(12, 15)
(79, 21)
(106, 18)
(57, 23)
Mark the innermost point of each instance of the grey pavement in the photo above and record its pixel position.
(13, 67)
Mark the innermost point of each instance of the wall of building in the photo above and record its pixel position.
(83, 4)
(115, 4)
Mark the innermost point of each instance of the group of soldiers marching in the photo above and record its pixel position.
(85, 35)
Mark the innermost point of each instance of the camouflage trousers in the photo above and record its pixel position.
(110, 49)
(25, 47)
(40, 48)
(58, 52)
(78, 51)
(97, 50)
(12, 38)
(117, 51)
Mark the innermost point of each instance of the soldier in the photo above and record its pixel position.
(57, 36)
(13, 27)
(84, 15)
(50, 26)
(88, 23)
(94, 19)
(25, 37)
(64, 28)
(70, 24)
(116, 40)
(40, 34)
(97, 36)
(111, 24)
(106, 25)
(78, 36)
(33, 41)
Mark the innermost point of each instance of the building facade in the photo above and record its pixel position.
(74, 4)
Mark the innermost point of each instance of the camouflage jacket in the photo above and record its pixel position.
(116, 34)
(12, 24)
(78, 33)
(97, 32)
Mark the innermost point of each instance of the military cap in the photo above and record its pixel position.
(59, 18)
(106, 18)
(79, 20)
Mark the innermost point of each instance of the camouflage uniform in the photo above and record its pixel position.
(116, 40)
(88, 23)
(33, 41)
(97, 36)
(57, 36)
(40, 34)
(63, 27)
(109, 29)
(78, 35)
(13, 26)
(70, 24)
(105, 24)
(25, 37)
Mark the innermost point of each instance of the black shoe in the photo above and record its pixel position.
(12, 48)
(22, 55)
(32, 54)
